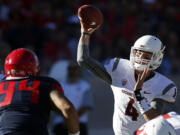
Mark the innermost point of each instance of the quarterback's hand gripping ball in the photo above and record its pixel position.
(90, 16)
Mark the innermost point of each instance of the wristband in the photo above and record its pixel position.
(86, 33)
(142, 102)
(78, 133)
(139, 95)
(143, 105)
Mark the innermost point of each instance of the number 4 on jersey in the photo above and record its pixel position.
(131, 111)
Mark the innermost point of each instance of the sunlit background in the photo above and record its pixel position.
(51, 28)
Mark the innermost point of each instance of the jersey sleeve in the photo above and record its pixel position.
(57, 87)
(111, 64)
(169, 95)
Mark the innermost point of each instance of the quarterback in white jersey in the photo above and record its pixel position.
(126, 111)
(133, 102)
(167, 124)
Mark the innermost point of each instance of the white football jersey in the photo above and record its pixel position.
(127, 117)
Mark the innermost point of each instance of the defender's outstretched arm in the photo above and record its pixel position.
(68, 111)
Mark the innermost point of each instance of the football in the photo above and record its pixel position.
(90, 16)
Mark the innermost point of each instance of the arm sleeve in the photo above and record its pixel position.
(111, 65)
(169, 93)
(57, 86)
(158, 105)
(84, 60)
(163, 102)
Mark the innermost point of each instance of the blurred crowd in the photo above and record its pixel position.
(51, 28)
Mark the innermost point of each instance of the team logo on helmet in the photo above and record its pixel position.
(142, 46)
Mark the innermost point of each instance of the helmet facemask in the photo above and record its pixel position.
(141, 64)
(149, 44)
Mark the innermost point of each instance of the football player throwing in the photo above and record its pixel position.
(122, 74)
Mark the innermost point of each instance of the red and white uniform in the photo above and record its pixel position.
(127, 117)
(174, 119)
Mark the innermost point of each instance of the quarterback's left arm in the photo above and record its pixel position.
(166, 99)
(158, 105)
(162, 103)
(146, 109)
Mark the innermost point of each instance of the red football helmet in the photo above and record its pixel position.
(21, 62)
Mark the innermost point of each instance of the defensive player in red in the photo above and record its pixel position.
(26, 98)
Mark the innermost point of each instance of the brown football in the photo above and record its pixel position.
(90, 16)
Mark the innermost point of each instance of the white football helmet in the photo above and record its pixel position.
(157, 126)
(150, 44)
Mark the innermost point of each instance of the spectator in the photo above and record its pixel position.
(78, 92)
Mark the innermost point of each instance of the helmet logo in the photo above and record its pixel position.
(8, 72)
(13, 71)
(16, 72)
(142, 46)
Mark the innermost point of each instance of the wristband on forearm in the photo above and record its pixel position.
(144, 105)
(142, 102)
(86, 33)
(138, 94)
(78, 133)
